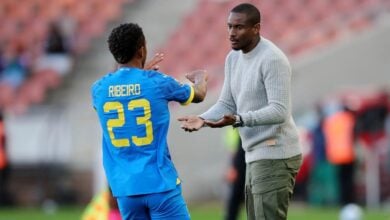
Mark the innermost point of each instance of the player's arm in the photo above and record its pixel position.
(199, 78)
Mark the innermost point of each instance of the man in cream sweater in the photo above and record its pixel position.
(256, 99)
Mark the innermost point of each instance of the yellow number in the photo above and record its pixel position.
(120, 121)
(145, 120)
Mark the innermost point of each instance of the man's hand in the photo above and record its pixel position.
(152, 65)
(197, 76)
(191, 123)
(224, 121)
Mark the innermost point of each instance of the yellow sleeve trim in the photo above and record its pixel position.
(178, 181)
(189, 100)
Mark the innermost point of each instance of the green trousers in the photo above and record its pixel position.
(269, 187)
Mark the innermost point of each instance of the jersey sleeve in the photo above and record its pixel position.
(173, 90)
(94, 89)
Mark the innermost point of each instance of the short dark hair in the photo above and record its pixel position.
(124, 41)
(250, 10)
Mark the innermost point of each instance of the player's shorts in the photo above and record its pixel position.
(168, 205)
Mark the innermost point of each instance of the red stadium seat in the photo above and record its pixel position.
(295, 25)
(7, 94)
(26, 23)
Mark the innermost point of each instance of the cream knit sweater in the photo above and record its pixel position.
(257, 87)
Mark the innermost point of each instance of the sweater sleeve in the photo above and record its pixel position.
(277, 76)
(225, 104)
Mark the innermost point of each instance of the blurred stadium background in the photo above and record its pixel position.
(339, 50)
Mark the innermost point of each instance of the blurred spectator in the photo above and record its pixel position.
(333, 145)
(5, 199)
(67, 24)
(387, 129)
(235, 175)
(55, 41)
(322, 188)
(370, 122)
(303, 175)
(15, 66)
(2, 62)
(339, 136)
(319, 137)
(56, 55)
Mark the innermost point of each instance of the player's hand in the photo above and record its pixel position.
(224, 121)
(197, 76)
(191, 123)
(153, 64)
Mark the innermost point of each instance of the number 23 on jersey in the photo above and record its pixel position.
(120, 121)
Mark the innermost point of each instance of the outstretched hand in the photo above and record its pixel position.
(197, 75)
(153, 64)
(224, 121)
(191, 123)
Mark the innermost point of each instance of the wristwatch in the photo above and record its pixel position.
(238, 122)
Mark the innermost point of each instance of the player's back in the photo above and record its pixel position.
(132, 105)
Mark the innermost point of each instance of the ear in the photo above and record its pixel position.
(256, 28)
(140, 52)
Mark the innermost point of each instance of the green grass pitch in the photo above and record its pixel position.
(212, 211)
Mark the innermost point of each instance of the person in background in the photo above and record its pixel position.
(5, 198)
(340, 151)
(57, 55)
(235, 175)
(15, 66)
(387, 132)
(256, 99)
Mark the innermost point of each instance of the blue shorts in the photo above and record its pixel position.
(168, 205)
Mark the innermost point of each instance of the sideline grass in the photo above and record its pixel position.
(63, 213)
(209, 211)
(296, 212)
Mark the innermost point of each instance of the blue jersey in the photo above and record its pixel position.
(132, 106)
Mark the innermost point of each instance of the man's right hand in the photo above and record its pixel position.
(191, 123)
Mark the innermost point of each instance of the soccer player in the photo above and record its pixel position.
(132, 106)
